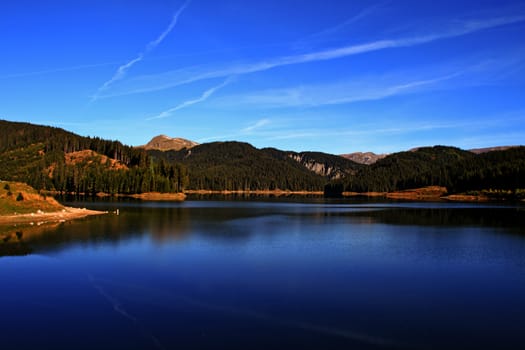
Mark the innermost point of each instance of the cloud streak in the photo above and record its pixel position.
(58, 70)
(205, 95)
(188, 75)
(291, 132)
(365, 89)
(259, 124)
(330, 32)
(153, 44)
(123, 69)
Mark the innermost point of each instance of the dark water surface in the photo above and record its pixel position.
(269, 275)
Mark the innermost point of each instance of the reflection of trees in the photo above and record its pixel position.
(234, 222)
(55, 235)
(14, 238)
(168, 224)
(487, 217)
(163, 224)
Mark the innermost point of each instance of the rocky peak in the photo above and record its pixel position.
(166, 143)
(364, 157)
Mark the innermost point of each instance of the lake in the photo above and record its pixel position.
(269, 274)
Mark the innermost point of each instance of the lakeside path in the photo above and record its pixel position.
(40, 217)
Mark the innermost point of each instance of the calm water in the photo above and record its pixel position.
(269, 275)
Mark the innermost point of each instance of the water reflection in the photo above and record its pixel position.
(238, 220)
(267, 274)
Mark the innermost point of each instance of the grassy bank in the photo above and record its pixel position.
(20, 203)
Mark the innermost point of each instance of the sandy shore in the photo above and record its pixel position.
(466, 198)
(430, 193)
(41, 217)
(157, 196)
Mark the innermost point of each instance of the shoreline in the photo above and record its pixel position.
(256, 192)
(147, 196)
(41, 217)
(158, 196)
(431, 193)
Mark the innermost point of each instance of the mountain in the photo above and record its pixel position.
(370, 157)
(364, 157)
(54, 159)
(238, 166)
(166, 143)
(457, 170)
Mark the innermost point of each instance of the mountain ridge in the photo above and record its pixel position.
(54, 159)
(163, 142)
(369, 158)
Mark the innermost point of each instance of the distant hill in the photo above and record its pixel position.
(457, 170)
(364, 157)
(166, 143)
(371, 157)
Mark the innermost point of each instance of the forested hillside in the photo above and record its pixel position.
(55, 159)
(240, 166)
(47, 158)
(329, 166)
(504, 170)
(453, 168)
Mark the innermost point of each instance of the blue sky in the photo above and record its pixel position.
(323, 75)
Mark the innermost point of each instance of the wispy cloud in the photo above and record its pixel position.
(257, 125)
(291, 132)
(123, 69)
(504, 138)
(362, 131)
(393, 135)
(119, 74)
(179, 77)
(57, 70)
(488, 122)
(330, 32)
(357, 90)
(153, 44)
(241, 133)
(205, 95)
